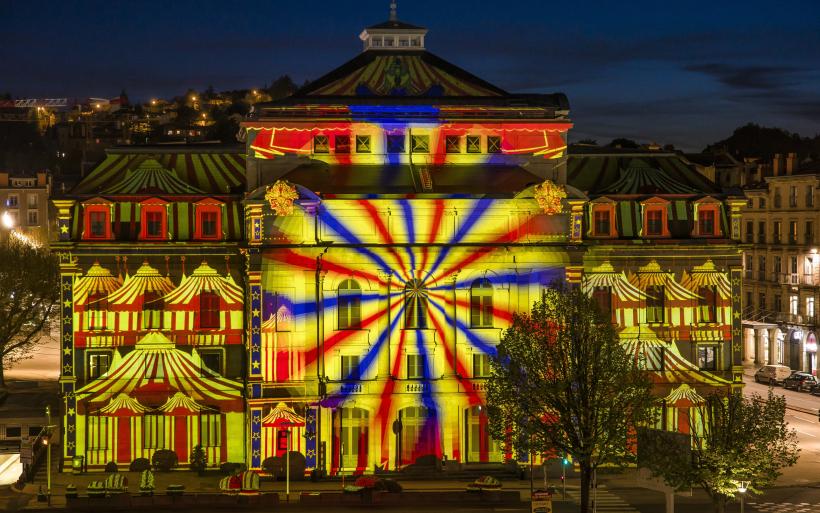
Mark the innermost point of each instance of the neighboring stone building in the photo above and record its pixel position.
(24, 204)
(782, 265)
(397, 212)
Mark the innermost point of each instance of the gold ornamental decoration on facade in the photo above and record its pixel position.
(549, 196)
(281, 195)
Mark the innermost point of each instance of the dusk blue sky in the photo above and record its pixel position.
(685, 73)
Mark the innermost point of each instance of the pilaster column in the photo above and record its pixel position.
(576, 220)
(452, 281)
(736, 277)
(385, 290)
(760, 357)
(773, 345)
(736, 206)
(68, 379)
(64, 208)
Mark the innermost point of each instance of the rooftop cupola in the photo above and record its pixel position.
(393, 34)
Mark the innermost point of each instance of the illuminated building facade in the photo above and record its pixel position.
(398, 212)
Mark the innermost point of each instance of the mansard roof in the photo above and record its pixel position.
(599, 171)
(166, 170)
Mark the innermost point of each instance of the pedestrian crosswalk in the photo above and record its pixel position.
(784, 507)
(605, 501)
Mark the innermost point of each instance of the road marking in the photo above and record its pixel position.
(807, 434)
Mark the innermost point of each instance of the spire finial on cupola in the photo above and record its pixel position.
(393, 7)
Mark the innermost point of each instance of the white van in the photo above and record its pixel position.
(772, 374)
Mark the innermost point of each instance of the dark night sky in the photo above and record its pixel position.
(685, 75)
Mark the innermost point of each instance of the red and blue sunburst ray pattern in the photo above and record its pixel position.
(415, 279)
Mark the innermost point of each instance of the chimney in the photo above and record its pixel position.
(776, 165)
(41, 178)
(4, 179)
(791, 159)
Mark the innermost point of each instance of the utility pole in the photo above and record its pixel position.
(46, 440)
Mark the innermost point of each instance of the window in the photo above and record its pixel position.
(420, 144)
(748, 302)
(793, 196)
(776, 231)
(809, 196)
(481, 303)
(761, 268)
(321, 144)
(792, 232)
(481, 365)
(750, 231)
(350, 305)
(809, 234)
(810, 306)
(97, 432)
(602, 222)
(748, 266)
(777, 202)
(210, 430)
(208, 221)
(211, 361)
(761, 300)
(761, 232)
(415, 41)
(778, 268)
(34, 431)
(350, 367)
(362, 144)
(415, 366)
(13, 201)
(602, 296)
(342, 143)
(283, 308)
(706, 222)
(493, 144)
(761, 203)
(415, 305)
(153, 431)
(654, 221)
(654, 303)
(707, 358)
(33, 217)
(153, 222)
(452, 144)
(404, 42)
(208, 309)
(395, 143)
(794, 304)
(33, 201)
(389, 42)
(376, 41)
(152, 306)
(473, 144)
(778, 304)
(707, 304)
(98, 364)
(96, 307)
(98, 224)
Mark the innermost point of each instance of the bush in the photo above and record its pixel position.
(229, 468)
(111, 467)
(297, 465)
(164, 460)
(198, 459)
(274, 466)
(140, 464)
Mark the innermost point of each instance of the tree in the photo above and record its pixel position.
(29, 295)
(562, 382)
(734, 439)
(622, 142)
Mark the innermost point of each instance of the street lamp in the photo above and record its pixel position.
(7, 220)
(742, 486)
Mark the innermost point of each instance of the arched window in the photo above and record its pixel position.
(481, 303)
(350, 305)
(152, 306)
(208, 309)
(415, 305)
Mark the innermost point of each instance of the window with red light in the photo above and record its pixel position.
(208, 222)
(602, 222)
(655, 221)
(706, 222)
(154, 222)
(208, 309)
(97, 222)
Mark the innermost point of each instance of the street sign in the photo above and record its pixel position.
(541, 502)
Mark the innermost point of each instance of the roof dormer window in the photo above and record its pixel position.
(655, 223)
(376, 42)
(404, 42)
(389, 42)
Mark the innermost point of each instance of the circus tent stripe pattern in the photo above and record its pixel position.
(150, 176)
(157, 368)
(652, 275)
(605, 276)
(707, 275)
(96, 281)
(205, 278)
(146, 279)
(123, 405)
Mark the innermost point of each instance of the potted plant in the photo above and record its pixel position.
(198, 460)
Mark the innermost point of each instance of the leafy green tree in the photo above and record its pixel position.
(29, 298)
(562, 382)
(735, 439)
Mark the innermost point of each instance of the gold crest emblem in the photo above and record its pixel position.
(549, 196)
(281, 195)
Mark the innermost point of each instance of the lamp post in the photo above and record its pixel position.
(742, 486)
(48, 453)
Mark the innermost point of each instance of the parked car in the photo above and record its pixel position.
(809, 385)
(772, 374)
(798, 380)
